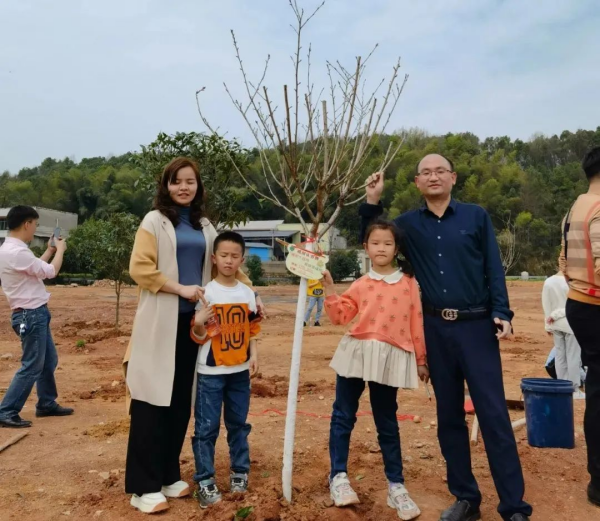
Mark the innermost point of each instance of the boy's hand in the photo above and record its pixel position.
(260, 307)
(253, 364)
(204, 315)
(423, 372)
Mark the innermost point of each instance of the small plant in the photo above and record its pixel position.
(255, 270)
(243, 513)
(80, 344)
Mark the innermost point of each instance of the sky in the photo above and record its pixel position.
(83, 78)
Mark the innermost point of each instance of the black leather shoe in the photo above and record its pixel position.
(594, 494)
(16, 422)
(58, 411)
(519, 517)
(461, 511)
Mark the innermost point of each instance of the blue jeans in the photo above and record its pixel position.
(232, 393)
(38, 363)
(384, 407)
(312, 301)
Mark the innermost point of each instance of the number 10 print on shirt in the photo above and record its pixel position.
(231, 346)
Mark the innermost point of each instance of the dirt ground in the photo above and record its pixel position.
(73, 467)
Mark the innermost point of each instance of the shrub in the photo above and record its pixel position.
(344, 264)
(255, 270)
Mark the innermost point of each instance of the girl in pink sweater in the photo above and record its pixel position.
(385, 347)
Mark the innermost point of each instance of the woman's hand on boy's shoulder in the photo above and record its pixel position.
(193, 293)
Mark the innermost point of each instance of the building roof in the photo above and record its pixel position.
(258, 225)
(4, 211)
(266, 234)
(258, 245)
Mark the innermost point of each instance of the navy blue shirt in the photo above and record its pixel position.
(191, 247)
(456, 257)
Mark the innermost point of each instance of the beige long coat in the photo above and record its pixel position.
(149, 362)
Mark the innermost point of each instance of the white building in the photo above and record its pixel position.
(267, 232)
(49, 219)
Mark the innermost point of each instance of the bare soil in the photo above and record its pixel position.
(73, 467)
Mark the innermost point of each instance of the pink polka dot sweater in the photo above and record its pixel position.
(388, 311)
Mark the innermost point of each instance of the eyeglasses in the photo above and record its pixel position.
(438, 171)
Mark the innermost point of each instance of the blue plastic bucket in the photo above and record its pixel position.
(549, 412)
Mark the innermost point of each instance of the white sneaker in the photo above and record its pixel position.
(177, 489)
(150, 503)
(399, 499)
(578, 395)
(341, 491)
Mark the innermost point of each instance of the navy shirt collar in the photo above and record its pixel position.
(452, 206)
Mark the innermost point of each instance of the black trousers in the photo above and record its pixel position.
(584, 320)
(157, 434)
(468, 350)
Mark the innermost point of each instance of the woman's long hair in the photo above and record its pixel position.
(398, 234)
(163, 202)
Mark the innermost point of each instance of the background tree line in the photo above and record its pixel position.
(527, 186)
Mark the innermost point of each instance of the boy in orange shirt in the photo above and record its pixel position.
(225, 364)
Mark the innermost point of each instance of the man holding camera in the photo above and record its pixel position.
(22, 275)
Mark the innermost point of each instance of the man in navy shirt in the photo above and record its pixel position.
(454, 252)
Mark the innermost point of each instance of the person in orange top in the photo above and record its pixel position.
(580, 262)
(386, 348)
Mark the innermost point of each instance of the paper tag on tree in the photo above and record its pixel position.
(304, 263)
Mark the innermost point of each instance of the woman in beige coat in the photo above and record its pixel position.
(170, 262)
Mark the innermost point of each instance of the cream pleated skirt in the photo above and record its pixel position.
(375, 361)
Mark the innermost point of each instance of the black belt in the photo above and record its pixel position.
(18, 310)
(457, 314)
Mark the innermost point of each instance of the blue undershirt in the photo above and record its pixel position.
(191, 247)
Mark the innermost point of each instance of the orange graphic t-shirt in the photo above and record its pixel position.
(236, 311)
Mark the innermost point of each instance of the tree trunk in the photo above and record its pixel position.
(290, 417)
(118, 292)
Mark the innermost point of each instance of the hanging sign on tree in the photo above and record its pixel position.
(304, 263)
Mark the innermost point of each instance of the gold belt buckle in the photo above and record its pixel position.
(449, 314)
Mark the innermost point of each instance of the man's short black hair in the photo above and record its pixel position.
(442, 155)
(18, 215)
(591, 163)
(229, 237)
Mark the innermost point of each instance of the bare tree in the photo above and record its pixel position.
(507, 242)
(314, 149)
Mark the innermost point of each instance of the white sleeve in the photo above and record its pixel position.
(26, 262)
(210, 294)
(547, 299)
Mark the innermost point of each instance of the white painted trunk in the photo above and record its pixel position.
(290, 417)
